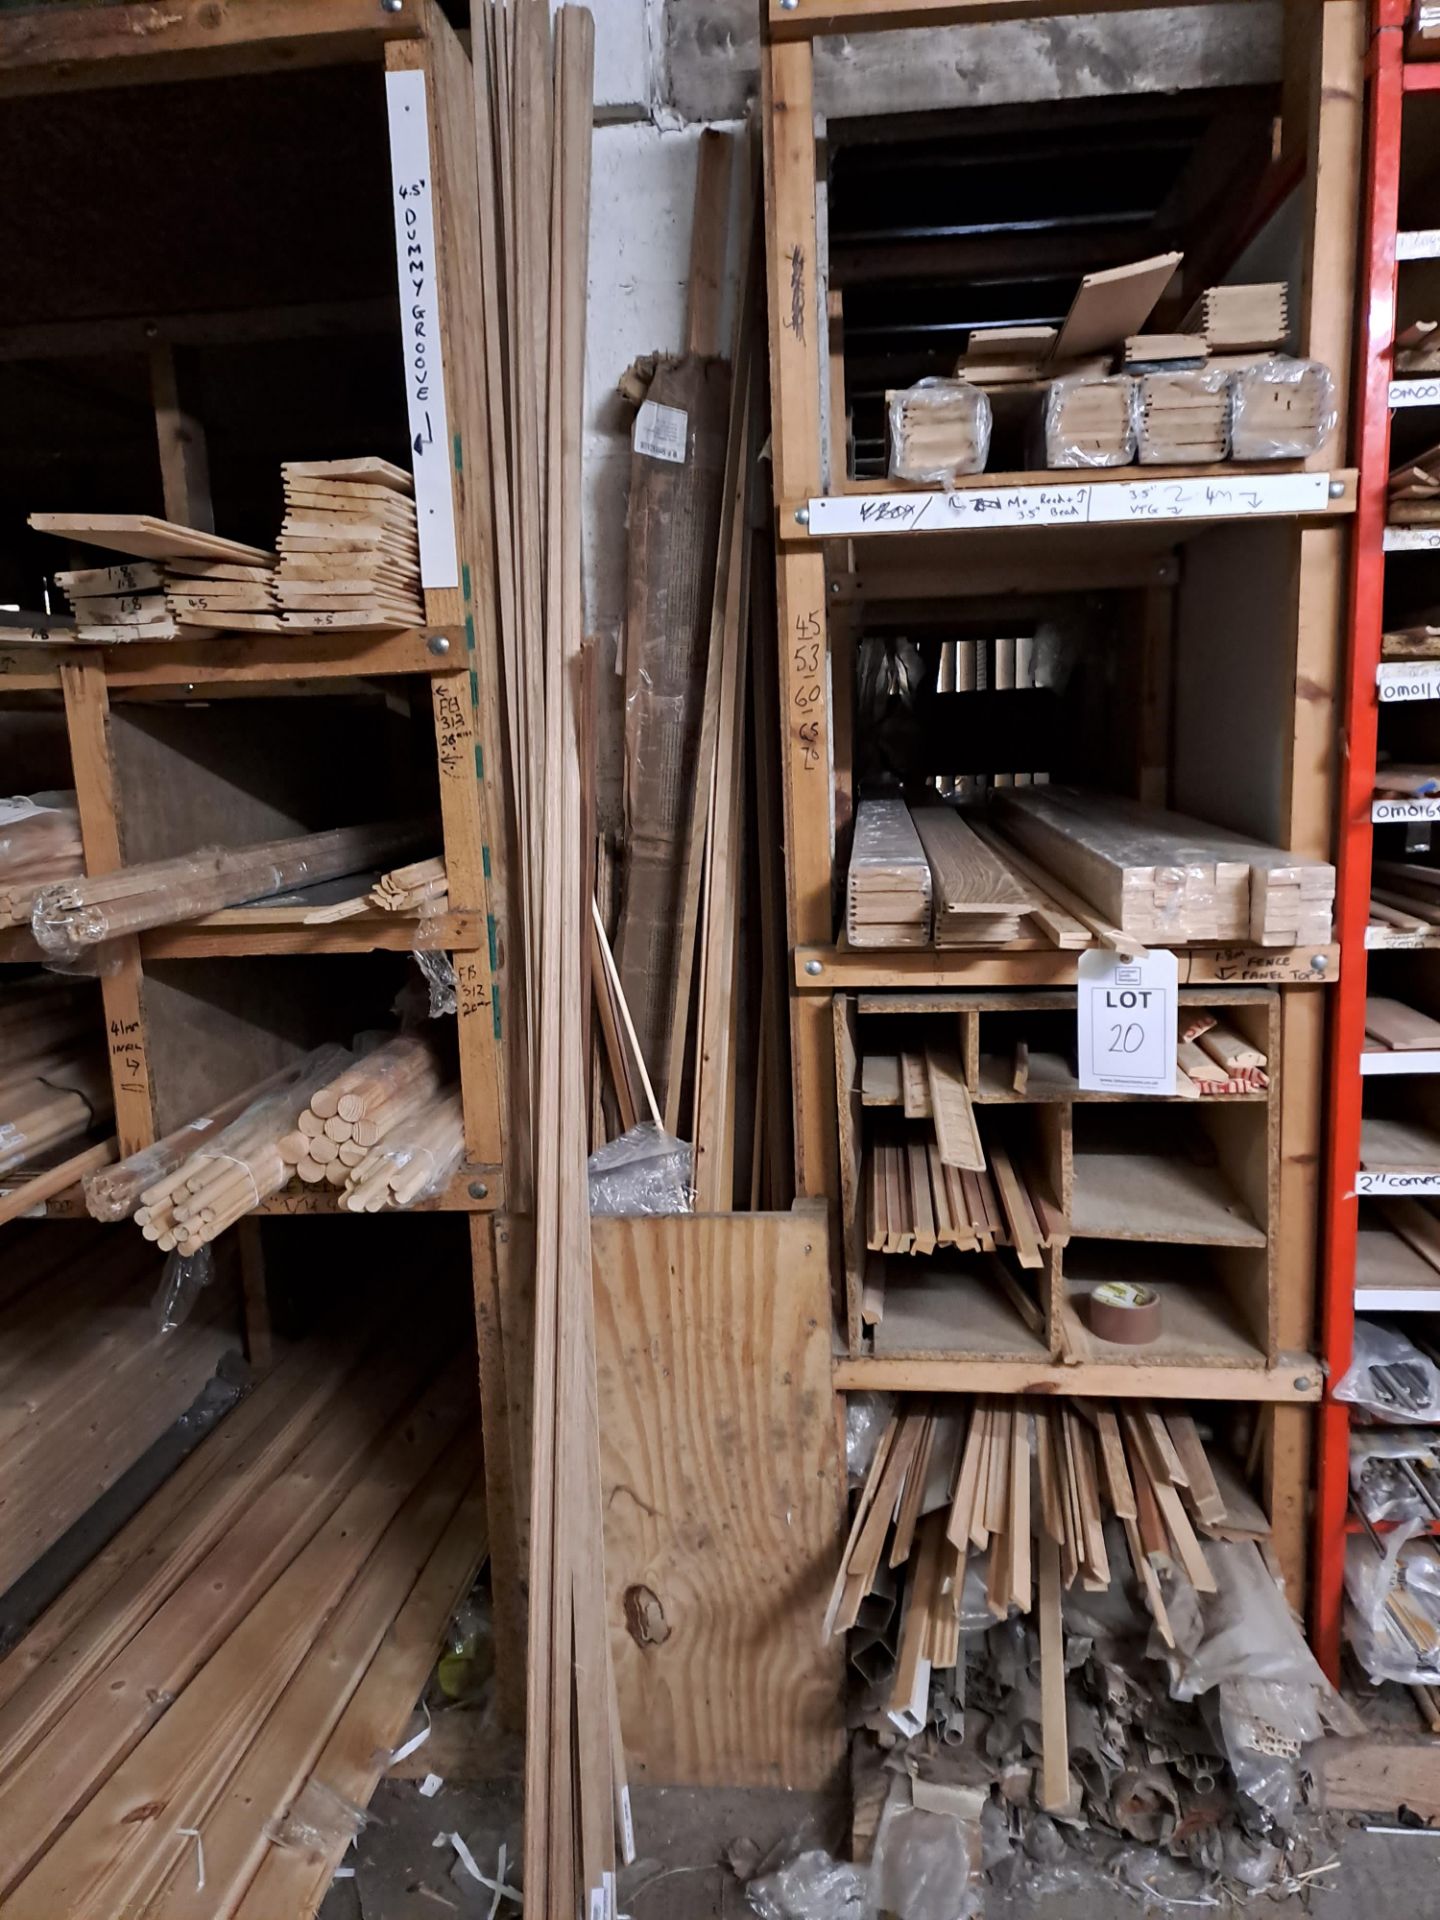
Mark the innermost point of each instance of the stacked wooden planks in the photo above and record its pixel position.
(39, 844)
(534, 92)
(1182, 416)
(1393, 1027)
(1029, 1489)
(888, 892)
(1252, 317)
(180, 582)
(54, 1068)
(349, 549)
(939, 429)
(1090, 422)
(192, 1727)
(1165, 878)
(976, 898)
(81, 913)
(87, 1379)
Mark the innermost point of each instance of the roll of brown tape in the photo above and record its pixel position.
(1126, 1315)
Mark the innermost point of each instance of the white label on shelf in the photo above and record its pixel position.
(1381, 939)
(1418, 243)
(1411, 539)
(1402, 1060)
(1415, 393)
(1420, 1181)
(1408, 680)
(1126, 1013)
(420, 326)
(1424, 807)
(1060, 503)
(663, 433)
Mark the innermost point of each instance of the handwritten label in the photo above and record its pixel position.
(127, 1050)
(1415, 393)
(1419, 243)
(420, 317)
(1259, 967)
(1126, 1015)
(807, 687)
(1427, 807)
(472, 989)
(1408, 680)
(662, 433)
(1420, 1181)
(1391, 940)
(1411, 539)
(1072, 503)
(453, 741)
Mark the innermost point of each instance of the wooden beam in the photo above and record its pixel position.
(803, 19)
(184, 459)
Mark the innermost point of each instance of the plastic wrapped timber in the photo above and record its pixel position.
(1090, 423)
(1182, 417)
(976, 899)
(1165, 877)
(888, 892)
(1281, 409)
(938, 430)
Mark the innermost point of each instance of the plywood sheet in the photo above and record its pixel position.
(722, 1491)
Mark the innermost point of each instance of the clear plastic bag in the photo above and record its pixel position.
(645, 1171)
(939, 429)
(1281, 409)
(925, 1865)
(815, 1886)
(1382, 1459)
(439, 973)
(320, 1823)
(1387, 1589)
(184, 1278)
(1182, 417)
(39, 844)
(1390, 1377)
(866, 1417)
(1089, 421)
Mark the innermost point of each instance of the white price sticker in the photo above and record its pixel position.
(663, 433)
(1127, 1023)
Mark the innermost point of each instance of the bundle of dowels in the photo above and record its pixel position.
(349, 549)
(180, 582)
(39, 844)
(233, 1172)
(413, 1161)
(1211, 1058)
(81, 913)
(54, 1073)
(349, 1115)
(1165, 878)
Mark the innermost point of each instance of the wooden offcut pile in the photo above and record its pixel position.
(192, 1726)
(349, 550)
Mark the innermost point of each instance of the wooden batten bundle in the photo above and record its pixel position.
(423, 887)
(232, 1173)
(181, 582)
(81, 913)
(414, 1160)
(349, 549)
(39, 844)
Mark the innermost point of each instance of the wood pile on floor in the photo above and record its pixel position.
(193, 1725)
(1164, 877)
(87, 1379)
(81, 913)
(39, 844)
(349, 549)
(180, 583)
(534, 93)
(54, 1068)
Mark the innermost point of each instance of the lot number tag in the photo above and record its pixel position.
(1127, 1023)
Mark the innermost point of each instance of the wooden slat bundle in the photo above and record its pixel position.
(82, 913)
(422, 887)
(952, 1477)
(1183, 417)
(349, 550)
(87, 1379)
(233, 1172)
(888, 891)
(1246, 318)
(977, 900)
(271, 1624)
(534, 110)
(1164, 877)
(938, 429)
(185, 582)
(1090, 422)
(39, 844)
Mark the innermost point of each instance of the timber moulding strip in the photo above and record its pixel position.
(1295, 1378)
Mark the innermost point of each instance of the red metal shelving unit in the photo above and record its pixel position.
(1392, 78)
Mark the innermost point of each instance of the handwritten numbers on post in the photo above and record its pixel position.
(807, 698)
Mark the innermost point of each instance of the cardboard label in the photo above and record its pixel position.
(420, 326)
(662, 433)
(1127, 1023)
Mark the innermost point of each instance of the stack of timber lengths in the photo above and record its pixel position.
(221, 721)
(1220, 706)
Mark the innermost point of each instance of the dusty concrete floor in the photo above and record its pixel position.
(399, 1874)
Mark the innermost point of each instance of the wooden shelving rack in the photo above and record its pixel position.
(845, 546)
(1402, 112)
(451, 662)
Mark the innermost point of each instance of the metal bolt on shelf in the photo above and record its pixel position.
(1302, 1385)
(391, 6)
(813, 966)
(1337, 487)
(802, 514)
(477, 1189)
(1318, 962)
(437, 643)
